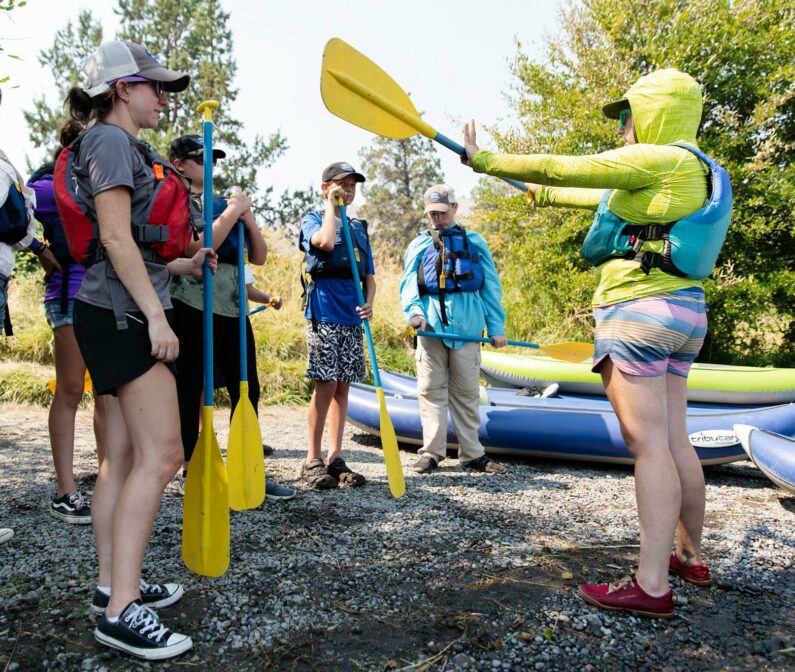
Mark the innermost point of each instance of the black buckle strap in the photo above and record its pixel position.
(147, 233)
(649, 260)
(146, 254)
(116, 297)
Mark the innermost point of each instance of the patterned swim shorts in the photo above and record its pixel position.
(336, 352)
(652, 335)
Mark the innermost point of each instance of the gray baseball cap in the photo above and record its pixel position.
(117, 59)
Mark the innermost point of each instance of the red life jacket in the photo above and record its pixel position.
(165, 235)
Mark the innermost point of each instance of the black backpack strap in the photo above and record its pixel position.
(7, 326)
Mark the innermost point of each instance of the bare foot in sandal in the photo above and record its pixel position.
(345, 476)
(316, 475)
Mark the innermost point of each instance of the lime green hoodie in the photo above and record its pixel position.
(652, 182)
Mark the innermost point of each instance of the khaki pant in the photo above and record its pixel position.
(446, 376)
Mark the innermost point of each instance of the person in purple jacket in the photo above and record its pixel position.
(61, 285)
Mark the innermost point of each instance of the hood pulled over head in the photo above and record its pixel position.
(666, 107)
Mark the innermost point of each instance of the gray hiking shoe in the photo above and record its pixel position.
(276, 491)
(486, 465)
(425, 464)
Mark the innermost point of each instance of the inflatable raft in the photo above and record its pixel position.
(711, 383)
(772, 453)
(571, 427)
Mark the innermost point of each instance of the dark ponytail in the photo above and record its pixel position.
(83, 108)
(71, 129)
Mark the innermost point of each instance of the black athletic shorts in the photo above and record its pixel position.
(113, 358)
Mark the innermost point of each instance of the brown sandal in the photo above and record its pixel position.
(316, 475)
(340, 471)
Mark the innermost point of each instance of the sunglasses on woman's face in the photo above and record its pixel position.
(158, 86)
(623, 118)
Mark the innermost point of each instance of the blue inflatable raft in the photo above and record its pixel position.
(772, 453)
(567, 427)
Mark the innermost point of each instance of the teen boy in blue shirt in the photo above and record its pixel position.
(333, 328)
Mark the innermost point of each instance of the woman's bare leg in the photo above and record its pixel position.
(640, 402)
(149, 406)
(69, 373)
(113, 472)
(691, 474)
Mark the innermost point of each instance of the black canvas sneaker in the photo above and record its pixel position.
(139, 632)
(71, 508)
(153, 595)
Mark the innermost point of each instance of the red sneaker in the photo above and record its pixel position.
(698, 574)
(627, 595)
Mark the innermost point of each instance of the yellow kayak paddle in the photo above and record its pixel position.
(244, 458)
(205, 526)
(567, 352)
(389, 445)
(358, 91)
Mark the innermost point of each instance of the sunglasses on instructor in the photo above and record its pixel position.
(158, 86)
(623, 117)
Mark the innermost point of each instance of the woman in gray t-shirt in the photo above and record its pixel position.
(127, 93)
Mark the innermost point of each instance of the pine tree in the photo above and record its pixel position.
(398, 173)
(71, 46)
(192, 36)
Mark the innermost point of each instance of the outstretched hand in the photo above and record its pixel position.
(470, 143)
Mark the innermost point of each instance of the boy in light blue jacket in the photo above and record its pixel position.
(450, 285)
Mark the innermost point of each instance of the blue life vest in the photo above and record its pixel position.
(227, 251)
(337, 263)
(692, 244)
(448, 266)
(13, 216)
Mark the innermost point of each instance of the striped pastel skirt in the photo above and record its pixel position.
(654, 335)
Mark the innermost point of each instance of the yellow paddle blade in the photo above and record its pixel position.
(244, 459)
(205, 521)
(568, 352)
(87, 384)
(394, 470)
(358, 91)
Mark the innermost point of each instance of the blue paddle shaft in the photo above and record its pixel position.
(242, 303)
(458, 149)
(208, 275)
(474, 339)
(346, 232)
(258, 310)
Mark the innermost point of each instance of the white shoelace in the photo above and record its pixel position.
(75, 500)
(150, 587)
(145, 621)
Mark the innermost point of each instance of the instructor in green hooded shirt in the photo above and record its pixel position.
(650, 321)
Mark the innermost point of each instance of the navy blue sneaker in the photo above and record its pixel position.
(139, 632)
(154, 595)
(276, 491)
(71, 508)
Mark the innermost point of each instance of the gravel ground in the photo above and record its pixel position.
(467, 572)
